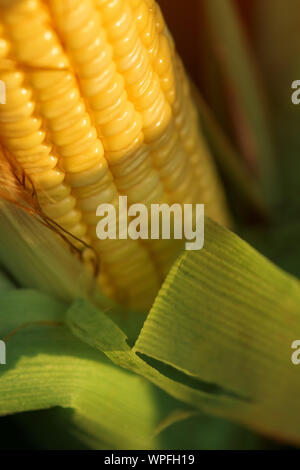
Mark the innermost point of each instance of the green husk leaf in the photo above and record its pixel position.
(98, 405)
(228, 159)
(225, 318)
(47, 367)
(5, 282)
(228, 316)
(247, 100)
(96, 329)
(37, 258)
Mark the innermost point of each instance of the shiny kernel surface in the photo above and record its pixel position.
(98, 105)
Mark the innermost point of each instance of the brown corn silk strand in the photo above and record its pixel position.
(17, 188)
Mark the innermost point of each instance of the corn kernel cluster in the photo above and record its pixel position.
(98, 105)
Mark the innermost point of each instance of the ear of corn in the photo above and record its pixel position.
(98, 105)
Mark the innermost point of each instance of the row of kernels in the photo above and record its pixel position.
(116, 121)
(126, 125)
(36, 158)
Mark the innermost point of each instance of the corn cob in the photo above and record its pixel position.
(98, 105)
